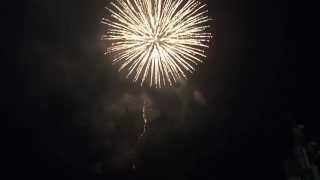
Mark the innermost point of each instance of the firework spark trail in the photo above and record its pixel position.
(157, 41)
(145, 118)
(147, 114)
(147, 111)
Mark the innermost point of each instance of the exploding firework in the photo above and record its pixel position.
(157, 41)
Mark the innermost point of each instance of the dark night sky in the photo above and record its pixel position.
(65, 103)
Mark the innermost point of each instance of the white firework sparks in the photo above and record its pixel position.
(157, 41)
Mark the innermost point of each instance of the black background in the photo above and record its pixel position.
(57, 80)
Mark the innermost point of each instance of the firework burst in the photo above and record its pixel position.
(157, 42)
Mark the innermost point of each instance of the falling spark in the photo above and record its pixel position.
(145, 118)
(147, 114)
(157, 41)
